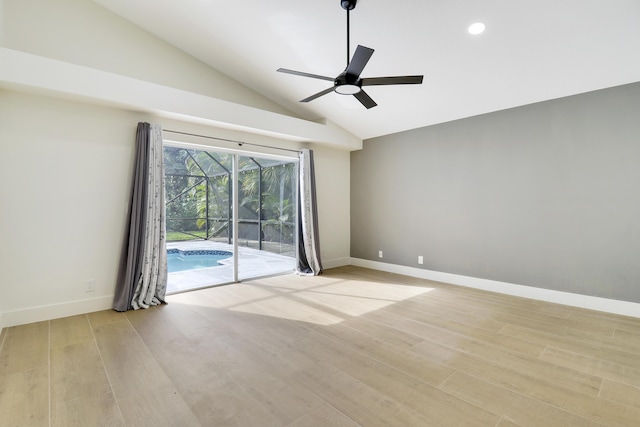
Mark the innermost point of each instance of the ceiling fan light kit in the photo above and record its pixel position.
(349, 81)
(347, 89)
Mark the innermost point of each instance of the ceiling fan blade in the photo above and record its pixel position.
(359, 60)
(300, 73)
(365, 99)
(396, 80)
(318, 95)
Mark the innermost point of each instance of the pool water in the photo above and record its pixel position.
(178, 260)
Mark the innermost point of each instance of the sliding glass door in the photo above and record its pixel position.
(230, 216)
(266, 216)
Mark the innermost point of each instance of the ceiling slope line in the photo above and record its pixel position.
(23, 71)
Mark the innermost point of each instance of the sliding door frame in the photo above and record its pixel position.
(235, 191)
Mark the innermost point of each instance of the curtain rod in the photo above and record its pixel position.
(240, 143)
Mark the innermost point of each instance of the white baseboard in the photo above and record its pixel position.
(55, 311)
(625, 308)
(338, 262)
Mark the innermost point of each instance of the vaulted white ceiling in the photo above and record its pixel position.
(531, 51)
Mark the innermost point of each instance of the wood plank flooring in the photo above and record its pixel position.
(352, 347)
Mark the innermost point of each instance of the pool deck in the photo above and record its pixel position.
(252, 263)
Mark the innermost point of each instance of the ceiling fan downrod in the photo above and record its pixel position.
(348, 5)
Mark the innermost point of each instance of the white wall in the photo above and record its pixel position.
(84, 33)
(65, 167)
(65, 173)
(64, 183)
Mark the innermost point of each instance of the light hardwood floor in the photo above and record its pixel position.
(350, 347)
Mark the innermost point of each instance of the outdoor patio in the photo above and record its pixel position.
(251, 263)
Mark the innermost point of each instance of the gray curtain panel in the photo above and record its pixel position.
(142, 275)
(152, 284)
(309, 262)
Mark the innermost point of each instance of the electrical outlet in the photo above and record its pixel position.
(90, 285)
(420, 259)
(379, 254)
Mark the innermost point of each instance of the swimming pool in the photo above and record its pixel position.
(178, 260)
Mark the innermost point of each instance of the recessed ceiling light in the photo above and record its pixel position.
(476, 28)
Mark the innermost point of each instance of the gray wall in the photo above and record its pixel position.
(545, 195)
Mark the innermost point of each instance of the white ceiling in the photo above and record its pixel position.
(531, 51)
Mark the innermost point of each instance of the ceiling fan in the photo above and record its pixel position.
(349, 81)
